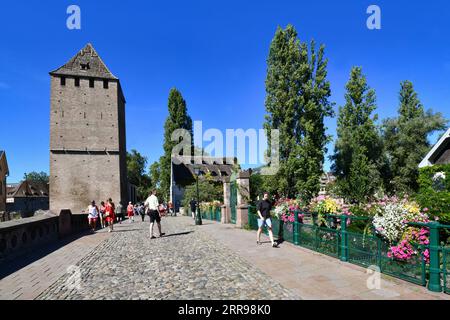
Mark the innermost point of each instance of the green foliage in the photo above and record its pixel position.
(136, 164)
(405, 140)
(178, 119)
(208, 191)
(434, 194)
(296, 104)
(358, 151)
(40, 177)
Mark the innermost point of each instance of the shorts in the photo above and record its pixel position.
(267, 222)
(154, 216)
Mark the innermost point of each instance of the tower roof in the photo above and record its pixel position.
(86, 63)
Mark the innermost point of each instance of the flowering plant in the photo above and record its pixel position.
(286, 209)
(324, 205)
(205, 206)
(391, 219)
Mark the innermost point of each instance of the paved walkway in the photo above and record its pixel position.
(212, 261)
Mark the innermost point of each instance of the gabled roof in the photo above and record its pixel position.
(437, 149)
(27, 189)
(86, 63)
(3, 159)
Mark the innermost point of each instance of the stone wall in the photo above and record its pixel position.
(87, 144)
(21, 236)
(77, 179)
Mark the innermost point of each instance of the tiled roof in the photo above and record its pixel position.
(86, 63)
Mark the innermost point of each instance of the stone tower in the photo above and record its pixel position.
(87, 134)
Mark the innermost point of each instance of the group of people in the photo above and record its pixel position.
(108, 213)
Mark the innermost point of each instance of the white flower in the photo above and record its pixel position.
(439, 176)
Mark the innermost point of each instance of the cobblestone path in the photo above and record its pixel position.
(184, 264)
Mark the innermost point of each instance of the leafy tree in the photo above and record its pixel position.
(315, 100)
(40, 177)
(405, 139)
(357, 158)
(208, 191)
(136, 164)
(178, 119)
(296, 104)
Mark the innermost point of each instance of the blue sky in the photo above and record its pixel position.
(215, 53)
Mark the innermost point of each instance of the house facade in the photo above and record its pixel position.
(440, 153)
(27, 197)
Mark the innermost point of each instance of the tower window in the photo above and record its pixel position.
(63, 81)
(105, 84)
(77, 82)
(91, 83)
(84, 66)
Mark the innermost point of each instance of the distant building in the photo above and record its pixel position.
(27, 197)
(87, 134)
(440, 153)
(325, 180)
(4, 172)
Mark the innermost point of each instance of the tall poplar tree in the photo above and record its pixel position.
(178, 118)
(405, 139)
(358, 149)
(297, 94)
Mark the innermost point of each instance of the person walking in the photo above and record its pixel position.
(130, 212)
(109, 213)
(171, 210)
(193, 205)
(119, 212)
(264, 208)
(102, 214)
(141, 210)
(152, 204)
(92, 215)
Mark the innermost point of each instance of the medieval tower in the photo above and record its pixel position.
(87, 134)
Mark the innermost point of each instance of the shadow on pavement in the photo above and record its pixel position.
(177, 234)
(26, 258)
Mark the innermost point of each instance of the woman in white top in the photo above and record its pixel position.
(92, 215)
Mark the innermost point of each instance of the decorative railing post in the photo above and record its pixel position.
(296, 229)
(435, 273)
(344, 238)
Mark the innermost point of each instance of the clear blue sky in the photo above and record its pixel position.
(214, 52)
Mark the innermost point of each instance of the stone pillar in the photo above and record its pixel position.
(226, 208)
(243, 186)
(243, 198)
(241, 215)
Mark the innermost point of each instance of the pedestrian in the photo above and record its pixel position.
(102, 214)
(92, 215)
(109, 213)
(152, 204)
(141, 210)
(130, 212)
(193, 205)
(172, 212)
(119, 212)
(264, 208)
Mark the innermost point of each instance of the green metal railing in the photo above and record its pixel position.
(368, 249)
(212, 214)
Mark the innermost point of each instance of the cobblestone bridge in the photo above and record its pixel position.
(212, 261)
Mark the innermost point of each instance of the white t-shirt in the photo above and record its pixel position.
(152, 202)
(93, 213)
